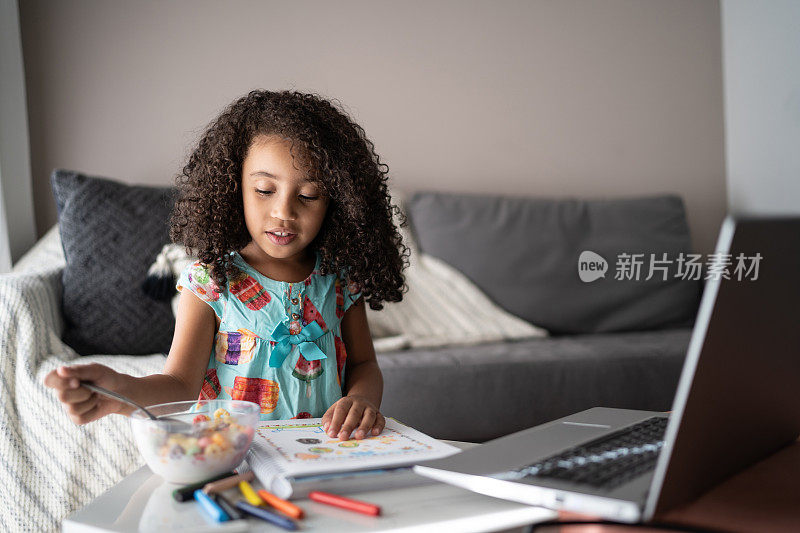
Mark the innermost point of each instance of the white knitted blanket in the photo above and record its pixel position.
(49, 467)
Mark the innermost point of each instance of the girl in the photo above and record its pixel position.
(285, 203)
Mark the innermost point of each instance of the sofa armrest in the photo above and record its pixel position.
(30, 294)
(31, 303)
(45, 254)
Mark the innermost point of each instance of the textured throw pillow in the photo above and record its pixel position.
(523, 253)
(110, 233)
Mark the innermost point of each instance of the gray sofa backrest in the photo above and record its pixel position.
(523, 253)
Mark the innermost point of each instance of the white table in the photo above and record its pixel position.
(144, 502)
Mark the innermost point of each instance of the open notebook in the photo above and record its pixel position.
(292, 457)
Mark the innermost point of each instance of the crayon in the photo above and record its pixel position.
(185, 494)
(227, 506)
(283, 506)
(266, 515)
(210, 507)
(345, 503)
(249, 494)
(227, 483)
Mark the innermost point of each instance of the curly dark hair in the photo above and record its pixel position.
(357, 234)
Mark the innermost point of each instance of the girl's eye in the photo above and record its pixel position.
(304, 197)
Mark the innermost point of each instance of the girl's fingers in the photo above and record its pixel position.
(353, 418)
(79, 408)
(69, 377)
(71, 396)
(54, 380)
(367, 421)
(340, 410)
(98, 407)
(326, 418)
(81, 404)
(380, 423)
(89, 416)
(97, 373)
(104, 407)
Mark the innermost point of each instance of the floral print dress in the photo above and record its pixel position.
(279, 344)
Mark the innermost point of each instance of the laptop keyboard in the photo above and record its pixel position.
(606, 462)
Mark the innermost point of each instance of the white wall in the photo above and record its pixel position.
(17, 228)
(761, 51)
(585, 98)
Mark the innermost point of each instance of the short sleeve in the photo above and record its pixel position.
(197, 278)
(350, 290)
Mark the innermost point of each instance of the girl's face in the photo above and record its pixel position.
(283, 209)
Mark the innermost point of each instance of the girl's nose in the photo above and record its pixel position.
(283, 208)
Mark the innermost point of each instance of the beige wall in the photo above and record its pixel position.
(557, 98)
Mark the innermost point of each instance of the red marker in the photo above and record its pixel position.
(345, 503)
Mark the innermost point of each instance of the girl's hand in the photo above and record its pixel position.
(81, 404)
(353, 412)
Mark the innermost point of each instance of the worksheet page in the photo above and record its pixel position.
(302, 447)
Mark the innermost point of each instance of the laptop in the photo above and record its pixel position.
(737, 401)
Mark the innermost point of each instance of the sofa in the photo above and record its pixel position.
(612, 342)
(559, 323)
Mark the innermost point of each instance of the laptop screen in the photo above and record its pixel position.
(737, 399)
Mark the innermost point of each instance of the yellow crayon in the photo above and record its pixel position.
(249, 494)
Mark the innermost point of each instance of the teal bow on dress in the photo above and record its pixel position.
(284, 340)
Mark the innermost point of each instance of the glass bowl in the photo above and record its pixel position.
(214, 440)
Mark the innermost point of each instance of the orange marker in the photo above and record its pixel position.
(287, 508)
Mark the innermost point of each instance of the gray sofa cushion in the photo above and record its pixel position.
(111, 233)
(523, 253)
(482, 392)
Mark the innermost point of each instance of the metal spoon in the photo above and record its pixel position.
(124, 399)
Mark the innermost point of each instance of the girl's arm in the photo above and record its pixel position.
(181, 379)
(359, 409)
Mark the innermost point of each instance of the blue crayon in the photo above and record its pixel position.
(268, 516)
(210, 507)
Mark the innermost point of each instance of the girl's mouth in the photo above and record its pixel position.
(281, 238)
